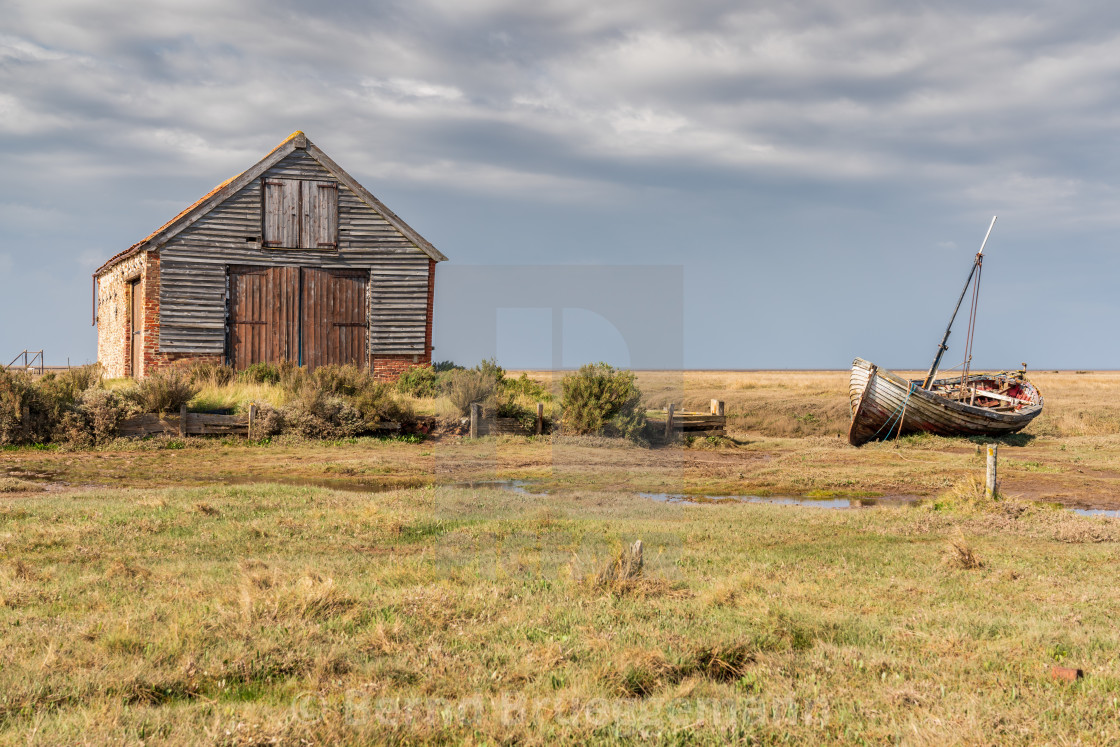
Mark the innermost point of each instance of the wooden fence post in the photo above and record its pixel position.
(669, 422)
(252, 417)
(992, 484)
(717, 407)
(476, 415)
(540, 418)
(183, 421)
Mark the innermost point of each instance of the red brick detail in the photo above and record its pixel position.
(390, 367)
(151, 314)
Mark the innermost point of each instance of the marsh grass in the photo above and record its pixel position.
(794, 404)
(267, 614)
(16, 485)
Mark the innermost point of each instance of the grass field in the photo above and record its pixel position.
(219, 592)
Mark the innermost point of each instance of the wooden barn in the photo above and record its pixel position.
(290, 260)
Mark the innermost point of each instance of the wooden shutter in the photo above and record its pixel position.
(319, 218)
(282, 213)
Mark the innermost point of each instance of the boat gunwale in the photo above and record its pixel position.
(934, 398)
(1003, 422)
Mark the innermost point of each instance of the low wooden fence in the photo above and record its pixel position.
(190, 424)
(203, 424)
(662, 426)
(671, 423)
(494, 426)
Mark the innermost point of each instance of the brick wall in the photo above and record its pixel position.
(390, 367)
(114, 327)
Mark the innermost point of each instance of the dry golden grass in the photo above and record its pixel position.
(815, 403)
(265, 614)
(291, 615)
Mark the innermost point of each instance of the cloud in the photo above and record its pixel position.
(114, 115)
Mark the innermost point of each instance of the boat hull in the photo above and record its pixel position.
(884, 405)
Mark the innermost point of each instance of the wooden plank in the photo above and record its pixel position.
(373, 203)
(194, 294)
(148, 425)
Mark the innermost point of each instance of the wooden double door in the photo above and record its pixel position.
(309, 315)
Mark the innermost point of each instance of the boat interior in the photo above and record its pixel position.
(1002, 392)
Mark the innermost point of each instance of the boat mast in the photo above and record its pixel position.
(943, 347)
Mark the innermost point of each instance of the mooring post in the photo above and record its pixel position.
(183, 421)
(717, 407)
(252, 417)
(476, 415)
(669, 422)
(992, 484)
(540, 418)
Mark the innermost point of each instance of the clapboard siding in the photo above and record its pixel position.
(193, 267)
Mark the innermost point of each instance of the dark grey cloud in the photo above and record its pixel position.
(801, 160)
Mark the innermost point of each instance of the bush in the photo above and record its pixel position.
(377, 404)
(58, 392)
(316, 414)
(445, 366)
(94, 419)
(526, 388)
(599, 399)
(419, 381)
(260, 373)
(205, 373)
(347, 381)
(164, 391)
(16, 392)
(467, 387)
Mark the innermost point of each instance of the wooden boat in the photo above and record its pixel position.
(886, 405)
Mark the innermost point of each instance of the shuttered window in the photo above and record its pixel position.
(300, 214)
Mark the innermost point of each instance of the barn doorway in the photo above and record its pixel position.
(136, 329)
(308, 315)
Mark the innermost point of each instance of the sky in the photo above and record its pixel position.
(817, 176)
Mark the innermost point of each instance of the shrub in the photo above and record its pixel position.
(164, 391)
(490, 367)
(260, 373)
(376, 404)
(525, 387)
(599, 399)
(94, 419)
(269, 422)
(314, 413)
(419, 381)
(16, 393)
(58, 392)
(466, 387)
(445, 366)
(347, 380)
(205, 373)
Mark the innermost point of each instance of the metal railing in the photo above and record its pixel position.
(32, 361)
